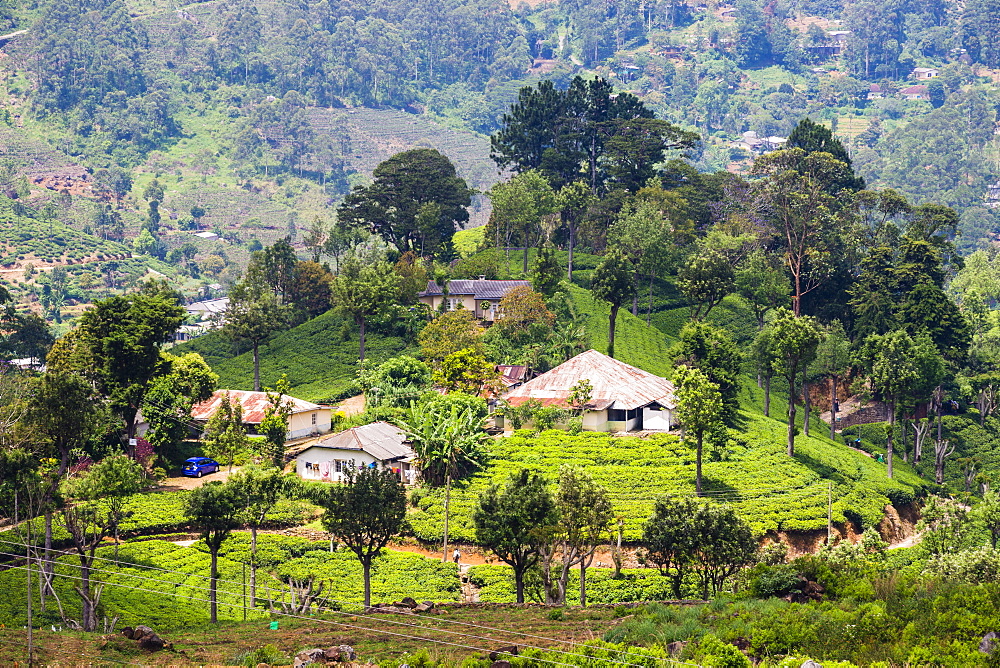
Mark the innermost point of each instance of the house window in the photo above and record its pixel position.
(617, 415)
(338, 466)
(454, 303)
(314, 419)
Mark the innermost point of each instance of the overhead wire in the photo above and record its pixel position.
(129, 564)
(375, 630)
(338, 612)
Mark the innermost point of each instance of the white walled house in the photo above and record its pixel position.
(306, 419)
(378, 443)
(623, 398)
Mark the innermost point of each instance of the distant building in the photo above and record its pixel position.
(750, 141)
(875, 92)
(378, 443)
(623, 397)
(918, 92)
(993, 195)
(512, 375)
(480, 296)
(202, 316)
(307, 419)
(923, 73)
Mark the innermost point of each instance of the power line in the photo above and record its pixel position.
(348, 614)
(346, 625)
(128, 564)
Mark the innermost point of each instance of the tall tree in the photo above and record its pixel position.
(448, 439)
(214, 509)
(186, 381)
(117, 346)
(585, 515)
(833, 360)
(519, 205)
(612, 282)
(699, 410)
(793, 346)
(574, 200)
(506, 521)
(365, 513)
(363, 291)
(804, 216)
(401, 187)
(706, 278)
(257, 491)
(710, 349)
(762, 285)
(812, 137)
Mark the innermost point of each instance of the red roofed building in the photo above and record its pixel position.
(622, 398)
(918, 92)
(307, 419)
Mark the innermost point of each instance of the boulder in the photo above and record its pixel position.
(989, 642)
(676, 647)
(426, 606)
(809, 663)
(341, 653)
(510, 650)
(407, 602)
(309, 656)
(145, 637)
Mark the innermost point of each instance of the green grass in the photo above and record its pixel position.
(319, 362)
(635, 343)
(751, 471)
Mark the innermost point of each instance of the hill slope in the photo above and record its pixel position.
(318, 359)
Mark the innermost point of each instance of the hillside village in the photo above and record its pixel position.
(500, 334)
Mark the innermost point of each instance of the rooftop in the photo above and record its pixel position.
(254, 405)
(616, 385)
(479, 288)
(381, 440)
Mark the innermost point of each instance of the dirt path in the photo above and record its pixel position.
(353, 405)
(176, 483)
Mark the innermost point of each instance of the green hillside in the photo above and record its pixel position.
(319, 360)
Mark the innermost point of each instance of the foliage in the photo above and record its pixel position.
(699, 410)
(225, 434)
(466, 371)
(364, 291)
(448, 333)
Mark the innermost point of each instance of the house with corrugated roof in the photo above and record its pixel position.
(622, 398)
(480, 296)
(306, 419)
(375, 444)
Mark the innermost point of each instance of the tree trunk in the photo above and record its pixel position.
(361, 337)
(805, 403)
(697, 467)
(888, 444)
(366, 565)
(213, 584)
(767, 395)
(253, 566)
(583, 583)
(791, 415)
(88, 611)
(524, 264)
(447, 502)
(904, 423)
(833, 407)
(46, 569)
(256, 366)
(519, 584)
(572, 243)
(649, 308)
(611, 330)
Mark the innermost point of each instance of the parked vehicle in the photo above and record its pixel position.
(199, 466)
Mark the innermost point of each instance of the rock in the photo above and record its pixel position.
(809, 663)
(510, 650)
(408, 602)
(127, 632)
(429, 604)
(989, 642)
(146, 637)
(263, 665)
(423, 607)
(676, 647)
(309, 656)
(341, 653)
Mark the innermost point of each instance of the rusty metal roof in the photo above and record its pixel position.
(254, 405)
(615, 384)
(381, 440)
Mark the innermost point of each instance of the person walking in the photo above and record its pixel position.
(456, 555)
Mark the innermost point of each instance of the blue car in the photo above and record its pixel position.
(199, 466)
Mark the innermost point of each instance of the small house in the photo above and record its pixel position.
(924, 73)
(875, 92)
(306, 419)
(481, 296)
(379, 443)
(623, 397)
(915, 93)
